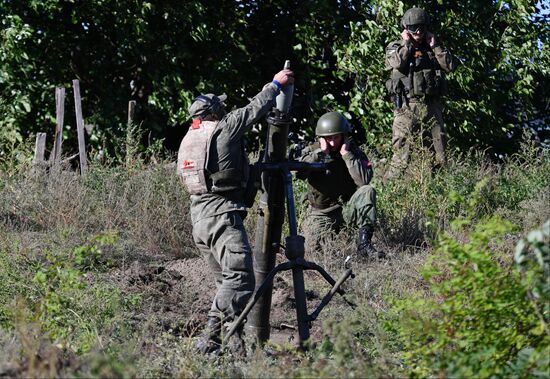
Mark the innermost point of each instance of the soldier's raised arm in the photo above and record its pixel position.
(359, 167)
(242, 119)
(397, 55)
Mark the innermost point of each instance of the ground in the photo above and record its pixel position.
(181, 292)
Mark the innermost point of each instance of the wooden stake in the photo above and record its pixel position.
(39, 148)
(55, 155)
(130, 130)
(131, 112)
(80, 128)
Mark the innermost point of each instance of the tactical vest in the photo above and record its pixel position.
(423, 76)
(198, 174)
(327, 188)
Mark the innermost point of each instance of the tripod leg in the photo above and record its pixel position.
(301, 306)
(258, 294)
(330, 294)
(314, 266)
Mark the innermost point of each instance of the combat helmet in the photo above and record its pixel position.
(415, 16)
(332, 123)
(207, 104)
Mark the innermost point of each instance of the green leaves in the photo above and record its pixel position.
(162, 54)
(483, 316)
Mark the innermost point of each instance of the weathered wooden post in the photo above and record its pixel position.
(55, 155)
(39, 150)
(80, 128)
(130, 130)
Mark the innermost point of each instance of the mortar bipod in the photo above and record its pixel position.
(294, 251)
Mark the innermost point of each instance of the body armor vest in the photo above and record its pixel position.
(423, 76)
(199, 175)
(327, 187)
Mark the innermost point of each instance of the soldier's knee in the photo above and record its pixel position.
(367, 191)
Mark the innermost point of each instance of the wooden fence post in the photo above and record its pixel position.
(55, 155)
(39, 150)
(130, 133)
(80, 128)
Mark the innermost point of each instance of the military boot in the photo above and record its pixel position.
(235, 345)
(365, 248)
(210, 339)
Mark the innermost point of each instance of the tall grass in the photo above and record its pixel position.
(66, 240)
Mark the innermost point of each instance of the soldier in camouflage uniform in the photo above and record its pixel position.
(418, 65)
(341, 194)
(217, 216)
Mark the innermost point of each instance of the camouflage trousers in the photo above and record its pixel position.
(422, 121)
(358, 212)
(223, 241)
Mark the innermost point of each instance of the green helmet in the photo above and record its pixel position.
(332, 123)
(415, 16)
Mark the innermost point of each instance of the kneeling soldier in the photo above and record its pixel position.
(342, 193)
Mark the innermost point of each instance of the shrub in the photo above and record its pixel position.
(416, 207)
(71, 306)
(478, 320)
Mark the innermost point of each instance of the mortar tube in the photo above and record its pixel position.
(269, 224)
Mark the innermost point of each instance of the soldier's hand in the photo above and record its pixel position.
(284, 77)
(430, 39)
(324, 145)
(344, 149)
(405, 36)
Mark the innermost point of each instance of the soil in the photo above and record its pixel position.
(181, 292)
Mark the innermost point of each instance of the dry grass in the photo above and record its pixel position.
(148, 208)
(165, 290)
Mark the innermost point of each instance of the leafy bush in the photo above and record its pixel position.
(90, 256)
(70, 306)
(477, 319)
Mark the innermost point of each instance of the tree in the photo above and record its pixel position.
(500, 87)
(164, 53)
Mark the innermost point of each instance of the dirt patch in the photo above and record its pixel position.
(175, 295)
(180, 294)
(198, 282)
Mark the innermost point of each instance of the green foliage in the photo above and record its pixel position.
(163, 54)
(70, 310)
(14, 104)
(68, 305)
(90, 256)
(14, 274)
(479, 321)
(423, 202)
(532, 256)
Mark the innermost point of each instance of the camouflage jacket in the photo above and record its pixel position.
(344, 174)
(227, 153)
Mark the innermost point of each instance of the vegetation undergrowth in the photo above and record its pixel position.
(415, 209)
(477, 318)
(86, 290)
